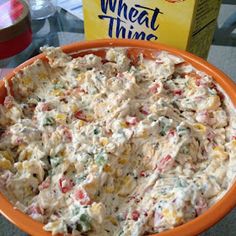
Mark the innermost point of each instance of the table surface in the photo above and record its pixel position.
(222, 54)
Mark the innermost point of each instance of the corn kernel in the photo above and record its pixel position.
(122, 161)
(123, 124)
(153, 108)
(112, 219)
(61, 118)
(91, 185)
(74, 108)
(127, 186)
(97, 211)
(57, 92)
(233, 143)
(42, 76)
(109, 189)
(63, 153)
(166, 212)
(103, 141)
(143, 134)
(81, 77)
(89, 117)
(172, 215)
(199, 127)
(218, 148)
(127, 150)
(219, 153)
(5, 164)
(7, 155)
(107, 168)
(79, 124)
(26, 80)
(127, 179)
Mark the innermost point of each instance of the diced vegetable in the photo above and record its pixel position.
(164, 124)
(82, 196)
(100, 159)
(45, 184)
(164, 163)
(143, 110)
(154, 88)
(96, 131)
(135, 215)
(182, 130)
(80, 115)
(143, 173)
(171, 133)
(46, 107)
(178, 92)
(65, 184)
(84, 224)
(48, 121)
(55, 161)
(131, 120)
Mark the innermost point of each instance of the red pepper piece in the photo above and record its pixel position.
(135, 215)
(178, 92)
(132, 120)
(80, 115)
(154, 88)
(143, 110)
(65, 184)
(82, 196)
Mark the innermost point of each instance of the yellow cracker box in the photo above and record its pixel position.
(184, 24)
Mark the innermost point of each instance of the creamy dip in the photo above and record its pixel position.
(94, 146)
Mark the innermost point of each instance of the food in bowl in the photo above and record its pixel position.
(115, 146)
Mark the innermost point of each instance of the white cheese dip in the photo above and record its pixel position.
(111, 147)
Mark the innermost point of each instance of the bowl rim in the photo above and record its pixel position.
(193, 227)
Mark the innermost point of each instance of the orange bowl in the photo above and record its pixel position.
(193, 227)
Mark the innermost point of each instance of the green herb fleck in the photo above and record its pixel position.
(181, 130)
(80, 179)
(76, 210)
(185, 150)
(55, 161)
(96, 131)
(48, 121)
(85, 223)
(58, 86)
(100, 159)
